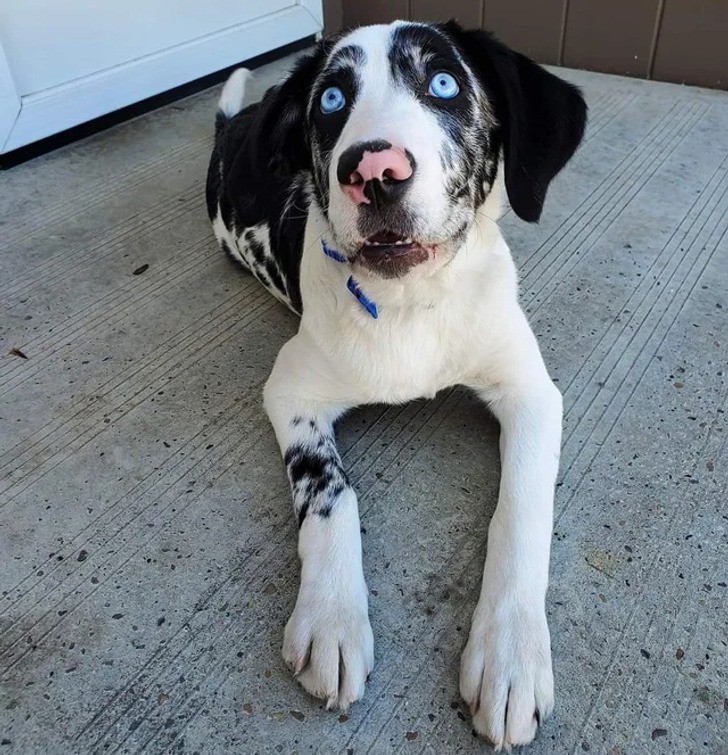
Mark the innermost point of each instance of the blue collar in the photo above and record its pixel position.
(351, 284)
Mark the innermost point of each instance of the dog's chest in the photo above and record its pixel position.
(407, 352)
(413, 355)
(428, 334)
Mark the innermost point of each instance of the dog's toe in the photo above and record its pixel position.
(331, 650)
(505, 674)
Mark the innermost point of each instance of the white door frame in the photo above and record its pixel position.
(26, 119)
(9, 100)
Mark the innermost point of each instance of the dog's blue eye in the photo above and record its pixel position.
(444, 86)
(332, 100)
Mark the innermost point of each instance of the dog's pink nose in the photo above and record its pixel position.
(388, 165)
(373, 171)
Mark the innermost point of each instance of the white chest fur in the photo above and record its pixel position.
(429, 334)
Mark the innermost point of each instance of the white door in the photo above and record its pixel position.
(64, 62)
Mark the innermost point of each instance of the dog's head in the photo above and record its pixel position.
(403, 128)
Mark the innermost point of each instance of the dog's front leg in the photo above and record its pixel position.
(328, 640)
(505, 674)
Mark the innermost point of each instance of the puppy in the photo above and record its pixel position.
(363, 192)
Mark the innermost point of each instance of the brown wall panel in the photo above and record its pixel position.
(614, 36)
(693, 44)
(333, 16)
(610, 35)
(533, 28)
(467, 12)
(359, 12)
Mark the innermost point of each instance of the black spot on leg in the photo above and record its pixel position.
(296, 421)
(303, 465)
(315, 473)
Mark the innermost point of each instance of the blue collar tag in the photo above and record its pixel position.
(364, 300)
(351, 284)
(329, 252)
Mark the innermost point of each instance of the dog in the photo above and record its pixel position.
(363, 192)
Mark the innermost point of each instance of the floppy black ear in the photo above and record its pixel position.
(542, 117)
(282, 132)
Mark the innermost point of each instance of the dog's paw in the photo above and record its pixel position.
(505, 672)
(328, 644)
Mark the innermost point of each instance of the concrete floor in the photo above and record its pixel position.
(148, 551)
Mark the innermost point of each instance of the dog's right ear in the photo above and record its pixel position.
(541, 116)
(282, 131)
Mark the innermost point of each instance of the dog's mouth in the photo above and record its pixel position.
(391, 254)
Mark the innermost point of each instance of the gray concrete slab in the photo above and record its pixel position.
(147, 548)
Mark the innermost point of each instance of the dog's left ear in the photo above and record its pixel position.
(542, 117)
(281, 125)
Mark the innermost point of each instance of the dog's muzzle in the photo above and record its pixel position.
(375, 176)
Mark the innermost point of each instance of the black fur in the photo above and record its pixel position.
(315, 472)
(542, 117)
(257, 157)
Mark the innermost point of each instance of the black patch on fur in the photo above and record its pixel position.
(327, 127)
(411, 45)
(256, 248)
(316, 475)
(351, 56)
(274, 275)
(416, 54)
(265, 152)
(226, 211)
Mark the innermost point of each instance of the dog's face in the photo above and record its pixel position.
(402, 144)
(402, 128)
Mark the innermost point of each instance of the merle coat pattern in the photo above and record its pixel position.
(363, 192)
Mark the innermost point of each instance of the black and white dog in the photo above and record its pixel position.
(363, 191)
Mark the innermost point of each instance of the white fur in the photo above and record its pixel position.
(331, 619)
(456, 323)
(422, 342)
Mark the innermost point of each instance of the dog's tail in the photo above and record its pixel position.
(233, 95)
